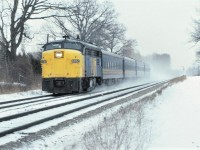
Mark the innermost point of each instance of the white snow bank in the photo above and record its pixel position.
(176, 117)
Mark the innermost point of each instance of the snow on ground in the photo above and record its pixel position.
(176, 117)
(69, 132)
(39, 92)
(32, 93)
(171, 122)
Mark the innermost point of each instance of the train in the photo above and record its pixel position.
(74, 66)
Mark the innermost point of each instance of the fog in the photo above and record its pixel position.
(161, 26)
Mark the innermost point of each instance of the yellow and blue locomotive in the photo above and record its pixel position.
(73, 66)
(70, 66)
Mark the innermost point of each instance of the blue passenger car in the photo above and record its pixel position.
(112, 66)
(147, 70)
(130, 68)
(140, 69)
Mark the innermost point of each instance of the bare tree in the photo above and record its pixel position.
(94, 22)
(196, 34)
(197, 63)
(128, 48)
(115, 37)
(87, 16)
(13, 21)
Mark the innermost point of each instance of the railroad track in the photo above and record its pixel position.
(23, 120)
(47, 98)
(23, 99)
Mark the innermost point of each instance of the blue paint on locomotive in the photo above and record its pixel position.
(93, 63)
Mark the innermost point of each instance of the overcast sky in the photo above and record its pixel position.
(161, 26)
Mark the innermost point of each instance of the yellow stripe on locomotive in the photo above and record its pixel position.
(65, 63)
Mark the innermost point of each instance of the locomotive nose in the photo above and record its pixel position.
(62, 63)
(62, 70)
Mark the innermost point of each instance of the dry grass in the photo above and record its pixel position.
(8, 88)
(177, 79)
(111, 134)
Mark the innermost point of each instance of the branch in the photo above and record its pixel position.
(2, 29)
(50, 16)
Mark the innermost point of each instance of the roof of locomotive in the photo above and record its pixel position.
(93, 47)
(85, 44)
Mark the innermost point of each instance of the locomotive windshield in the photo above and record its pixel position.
(53, 46)
(63, 45)
(72, 45)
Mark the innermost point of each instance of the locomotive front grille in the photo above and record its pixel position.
(59, 83)
(62, 85)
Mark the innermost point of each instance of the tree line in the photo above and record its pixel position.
(92, 20)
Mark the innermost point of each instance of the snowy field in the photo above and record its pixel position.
(169, 122)
(176, 117)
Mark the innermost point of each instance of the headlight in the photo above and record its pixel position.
(59, 54)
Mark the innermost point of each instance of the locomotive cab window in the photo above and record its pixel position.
(51, 46)
(61, 45)
(72, 45)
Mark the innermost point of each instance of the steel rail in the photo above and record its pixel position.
(6, 118)
(40, 100)
(24, 99)
(29, 102)
(25, 126)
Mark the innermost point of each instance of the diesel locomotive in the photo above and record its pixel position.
(71, 65)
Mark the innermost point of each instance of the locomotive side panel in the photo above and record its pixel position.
(93, 63)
